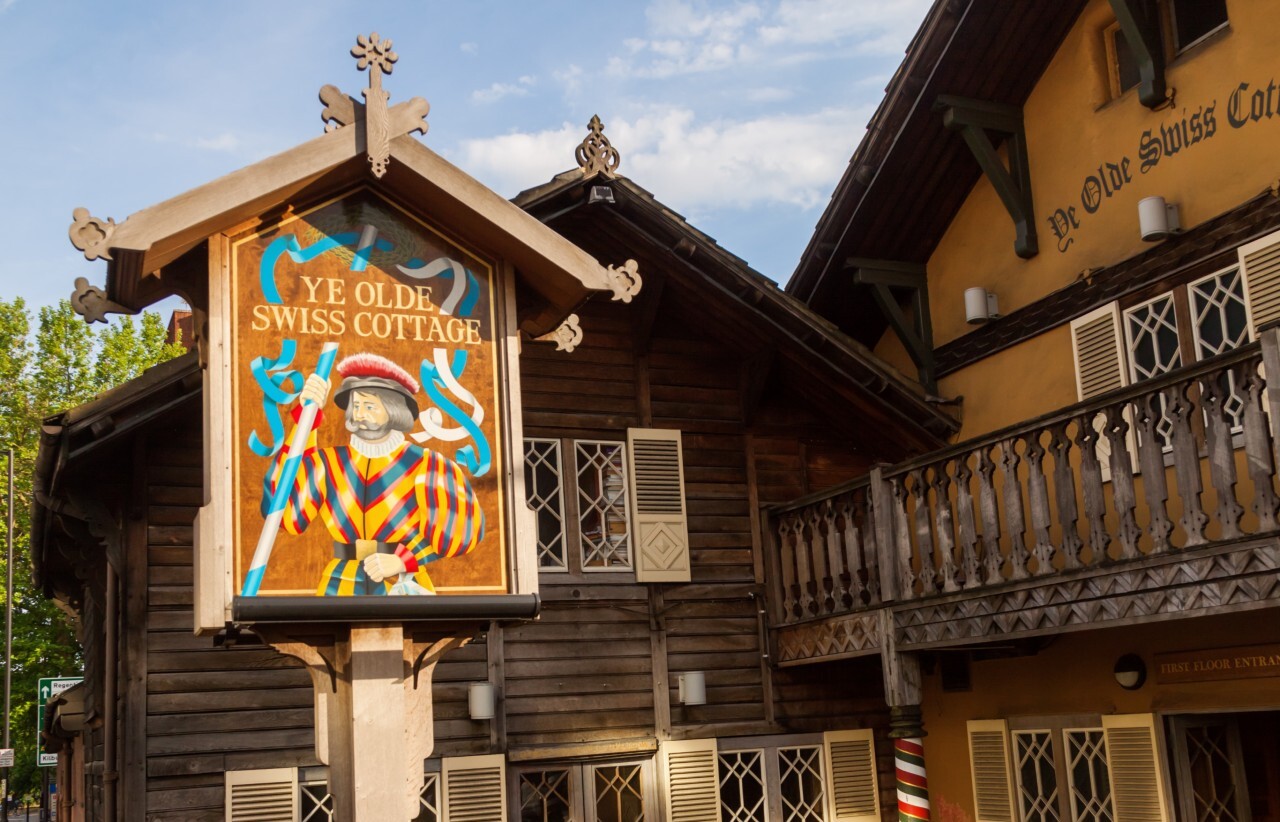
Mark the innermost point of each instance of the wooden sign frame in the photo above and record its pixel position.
(220, 548)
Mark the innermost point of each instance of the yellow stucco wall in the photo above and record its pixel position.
(1074, 676)
(1072, 129)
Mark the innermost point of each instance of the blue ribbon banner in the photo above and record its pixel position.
(280, 386)
(476, 458)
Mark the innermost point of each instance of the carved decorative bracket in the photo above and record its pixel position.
(382, 124)
(90, 234)
(625, 280)
(91, 302)
(595, 154)
(1140, 23)
(567, 335)
(973, 119)
(916, 336)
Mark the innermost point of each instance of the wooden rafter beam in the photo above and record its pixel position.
(974, 119)
(1140, 23)
(882, 276)
(650, 302)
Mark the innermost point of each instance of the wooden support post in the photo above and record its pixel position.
(886, 542)
(906, 727)
(1140, 24)
(373, 713)
(917, 335)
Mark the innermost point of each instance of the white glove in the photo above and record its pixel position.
(315, 389)
(381, 566)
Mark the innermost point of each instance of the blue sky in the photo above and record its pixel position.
(739, 115)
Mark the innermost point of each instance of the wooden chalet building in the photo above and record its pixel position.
(647, 689)
(1080, 610)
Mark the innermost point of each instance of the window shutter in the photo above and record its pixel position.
(851, 768)
(1096, 344)
(989, 759)
(474, 788)
(1260, 263)
(1134, 767)
(659, 521)
(264, 795)
(692, 781)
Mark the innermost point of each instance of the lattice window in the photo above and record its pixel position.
(315, 803)
(546, 796)
(1151, 333)
(544, 489)
(1220, 321)
(800, 784)
(743, 789)
(1037, 778)
(601, 473)
(429, 799)
(1088, 784)
(1212, 779)
(619, 793)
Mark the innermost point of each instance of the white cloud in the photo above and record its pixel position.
(768, 94)
(5, 5)
(222, 142)
(468, 48)
(877, 26)
(498, 91)
(786, 159)
(569, 78)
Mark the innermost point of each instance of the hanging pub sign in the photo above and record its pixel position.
(365, 391)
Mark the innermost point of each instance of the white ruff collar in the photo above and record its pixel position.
(377, 449)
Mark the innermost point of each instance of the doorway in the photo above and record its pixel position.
(1226, 767)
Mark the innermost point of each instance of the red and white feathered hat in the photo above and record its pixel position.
(365, 370)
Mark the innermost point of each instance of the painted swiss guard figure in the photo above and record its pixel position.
(390, 506)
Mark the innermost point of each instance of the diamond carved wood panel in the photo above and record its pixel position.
(1227, 577)
(835, 638)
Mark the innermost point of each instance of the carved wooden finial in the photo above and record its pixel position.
(91, 302)
(566, 336)
(625, 280)
(91, 235)
(376, 55)
(595, 154)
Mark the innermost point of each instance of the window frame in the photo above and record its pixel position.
(582, 797)
(1057, 727)
(1170, 14)
(770, 748)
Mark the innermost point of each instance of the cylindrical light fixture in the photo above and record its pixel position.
(1157, 219)
(693, 688)
(980, 305)
(480, 700)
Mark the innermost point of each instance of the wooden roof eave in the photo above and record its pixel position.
(561, 273)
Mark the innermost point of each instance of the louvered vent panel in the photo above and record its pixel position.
(1098, 352)
(1135, 791)
(989, 755)
(268, 795)
(1262, 274)
(473, 794)
(692, 783)
(852, 765)
(656, 464)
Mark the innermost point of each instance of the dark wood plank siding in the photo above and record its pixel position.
(208, 709)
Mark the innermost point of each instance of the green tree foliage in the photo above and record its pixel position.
(57, 364)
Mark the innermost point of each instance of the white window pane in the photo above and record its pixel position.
(544, 489)
(742, 787)
(1037, 778)
(1087, 779)
(601, 472)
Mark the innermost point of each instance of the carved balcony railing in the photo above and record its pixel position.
(1169, 464)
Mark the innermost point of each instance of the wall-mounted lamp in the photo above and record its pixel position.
(980, 305)
(1130, 672)
(480, 700)
(693, 688)
(1157, 219)
(600, 194)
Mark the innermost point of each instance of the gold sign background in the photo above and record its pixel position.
(379, 310)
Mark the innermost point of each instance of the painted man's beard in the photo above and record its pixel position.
(367, 431)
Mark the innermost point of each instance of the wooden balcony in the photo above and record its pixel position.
(1157, 501)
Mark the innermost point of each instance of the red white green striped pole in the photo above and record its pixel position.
(907, 732)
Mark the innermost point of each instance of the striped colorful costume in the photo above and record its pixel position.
(412, 502)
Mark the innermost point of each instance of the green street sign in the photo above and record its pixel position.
(49, 687)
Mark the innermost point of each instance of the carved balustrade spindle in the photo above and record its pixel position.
(819, 523)
(1150, 410)
(804, 570)
(834, 556)
(1064, 489)
(1017, 526)
(1038, 497)
(1257, 448)
(870, 550)
(851, 541)
(1216, 392)
(1091, 490)
(924, 533)
(992, 559)
(945, 526)
(788, 526)
(968, 530)
(906, 581)
(1186, 464)
(1122, 491)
